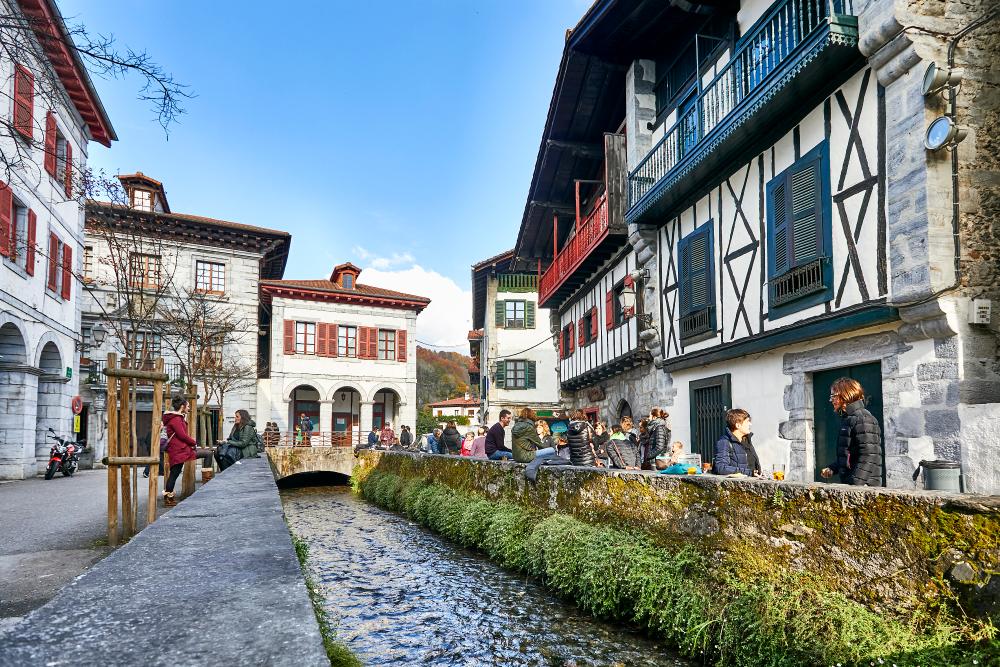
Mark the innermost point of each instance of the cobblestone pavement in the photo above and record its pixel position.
(50, 532)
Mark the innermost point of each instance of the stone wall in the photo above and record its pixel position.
(890, 550)
(642, 388)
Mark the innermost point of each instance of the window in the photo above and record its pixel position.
(566, 341)
(55, 255)
(210, 277)
(143, 345)
(515, 374)
(800, 273)
(144, 271)
(347, 281)
(24, 101)
(347, 341)
(709, 400)
(142, 200)
(211, 357)
(18, 234)
(697, 285)
(305, 338)
(440, 412)
(387, 344)
(587, 327)
(515, 314)
(88, 263)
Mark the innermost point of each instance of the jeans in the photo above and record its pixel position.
(545, 452)
(501, 454)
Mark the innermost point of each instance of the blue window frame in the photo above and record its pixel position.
(799, 238)
(697, 284)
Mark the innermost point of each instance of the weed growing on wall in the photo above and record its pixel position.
(679, 594)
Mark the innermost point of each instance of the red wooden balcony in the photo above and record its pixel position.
(591, 231)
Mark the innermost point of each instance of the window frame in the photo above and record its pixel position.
(514, 322)
(685, 308)
(305, 337)
(386, 347)
(133, 340)
(348, 333)
(135, 200)
(17, 258)
(510, 371)
(214, 269)
(146, 261)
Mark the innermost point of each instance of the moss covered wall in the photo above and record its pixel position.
(892, 551)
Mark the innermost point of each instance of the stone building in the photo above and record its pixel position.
(511, 343)
(50, 113)
(789, 220)
(171, 258)
(341, 352)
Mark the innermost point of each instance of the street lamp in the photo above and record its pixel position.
(97, 334)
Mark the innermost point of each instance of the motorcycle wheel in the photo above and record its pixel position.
(69, 470)
(51, 471)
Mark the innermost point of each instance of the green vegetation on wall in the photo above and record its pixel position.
(706, 608)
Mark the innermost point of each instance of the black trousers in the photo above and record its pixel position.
(175, 472)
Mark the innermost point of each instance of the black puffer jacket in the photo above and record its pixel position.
(659, 438)
(450, 441)
(600, 442)
(580, 451)
(859, 447)
(625, 453)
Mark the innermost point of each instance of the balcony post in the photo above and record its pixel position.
(555, 236)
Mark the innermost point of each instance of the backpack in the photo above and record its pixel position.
(260, 442)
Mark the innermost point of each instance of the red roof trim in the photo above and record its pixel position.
(307, 294)
(71, 72)
(454, 403)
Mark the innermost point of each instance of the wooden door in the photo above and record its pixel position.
(827, 423)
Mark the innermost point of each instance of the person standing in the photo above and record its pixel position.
(580, 436)
(734, 452)
(659, 436)
(496, 446)
(181, 447)
(859, 444)
(405, 437)
(306, 426)
(600, 442)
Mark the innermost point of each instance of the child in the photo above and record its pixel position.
(466, 449)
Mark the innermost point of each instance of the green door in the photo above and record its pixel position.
(827, 422)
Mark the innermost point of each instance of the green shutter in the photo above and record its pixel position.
(500, 312)
(501, 377)
(697, 286)
(529, 375)
(529, 314)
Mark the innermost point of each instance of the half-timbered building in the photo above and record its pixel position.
(783, 224)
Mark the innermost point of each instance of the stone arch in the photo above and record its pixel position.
(49, 359)
(18, 395)
(386, 386)
(52, 399)
(387, 402)
(344, 417)
(295, 384)
(13, 349)
(347, 386)
(49, 344)
(624, 409)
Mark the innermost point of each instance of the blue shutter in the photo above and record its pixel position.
(778, 241)
(805, 193)
(696, 267)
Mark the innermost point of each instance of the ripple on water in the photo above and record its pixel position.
(402, 596)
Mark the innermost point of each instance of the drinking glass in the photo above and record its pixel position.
(778, 471)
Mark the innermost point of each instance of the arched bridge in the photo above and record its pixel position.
(288, 461)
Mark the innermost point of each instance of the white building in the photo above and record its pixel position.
(759, 178)
(170, 256)
(466, 406)
(341, 352)
(50, 113)
(512, 345)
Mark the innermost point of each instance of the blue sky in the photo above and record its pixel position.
(398, 135)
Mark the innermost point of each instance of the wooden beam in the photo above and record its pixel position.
(595, 151)
(554, 206)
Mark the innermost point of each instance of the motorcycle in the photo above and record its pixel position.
(64, 455)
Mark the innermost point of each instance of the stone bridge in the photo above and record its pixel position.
(288, 461)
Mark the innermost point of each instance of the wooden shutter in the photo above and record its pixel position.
(29, 252)
(501, 377)
(334, 340)
(401, 345)
(581, 332)
(361, 343)
(367, 343)
(777, 218)
(50, 144)
(53, 262)
(593, 323)
(562, 344)
(696, 270)
(529, 314)
(373, 343)
(609, 311)
(67, 270)
(69, 170)
(500, 313)
(6, 214)
(289, 336)
(805, 196)
(24, 100)
(322, 340)
(529, 375)
(570, 340)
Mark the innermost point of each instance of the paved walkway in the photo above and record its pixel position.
(50, 532)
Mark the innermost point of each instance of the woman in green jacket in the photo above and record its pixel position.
(526, 443)
(243, 436)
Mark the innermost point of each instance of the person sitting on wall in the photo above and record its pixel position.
(526, 443)
(580, 435)
(479, 444)
(859, 444)
(659, 435)
(496, 447)
(666, 460)
(467, 444)
(623, 447)
(734, 452)
(373, 437)
(387, 437)
(434, 441)
(450, 441)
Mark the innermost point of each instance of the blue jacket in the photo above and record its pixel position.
(730, 456)
(373, 438)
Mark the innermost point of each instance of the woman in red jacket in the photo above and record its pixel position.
(181, 447)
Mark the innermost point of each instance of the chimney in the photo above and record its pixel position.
(467, 397)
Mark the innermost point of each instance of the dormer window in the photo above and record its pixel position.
(142, 200)
(345, 276)
(348, 281)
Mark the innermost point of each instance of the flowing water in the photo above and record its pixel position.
(400, 595)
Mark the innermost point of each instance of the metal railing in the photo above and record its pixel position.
(759, 54)
(327, 439)
(589, 235)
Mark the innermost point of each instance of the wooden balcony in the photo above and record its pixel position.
(795, 56)
(597, 235)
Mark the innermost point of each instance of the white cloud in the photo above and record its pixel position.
(448, 318)
(383, 262)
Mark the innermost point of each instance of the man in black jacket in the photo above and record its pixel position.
(496, 447)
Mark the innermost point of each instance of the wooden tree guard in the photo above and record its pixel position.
(187, 476)
(121, 449)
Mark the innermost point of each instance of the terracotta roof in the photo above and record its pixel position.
(476, 334)
(506, 254)
(359, 289)
(455, 403)
(195, 218)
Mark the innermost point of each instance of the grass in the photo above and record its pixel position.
(693, 601)
(338, 653)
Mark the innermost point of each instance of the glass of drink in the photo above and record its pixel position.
(778, 471)
(706, 468)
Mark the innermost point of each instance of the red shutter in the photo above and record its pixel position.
(593, 322)
(289, 337)
(69, 171)
(401, 345)
(562, 344)
(67, 271)
(362, 342)
(322, 341)
(609, 311)
(24, 100)
(29, 253)
(50, 144)
(334, 341)
(572, 338)
(6, 213)
(581, 332)
(372, 343)
(53, 262)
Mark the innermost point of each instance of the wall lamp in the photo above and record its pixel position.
(942, 132)
(936, 79)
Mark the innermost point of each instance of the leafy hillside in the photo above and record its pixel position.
(441, 375)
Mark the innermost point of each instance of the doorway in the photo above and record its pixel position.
(827, 423)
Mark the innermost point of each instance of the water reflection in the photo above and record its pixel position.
(403, 596)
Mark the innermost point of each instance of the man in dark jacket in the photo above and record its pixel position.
(496, 448)
(859, 444)
(734, 452)
(373, 437)
(405, 437)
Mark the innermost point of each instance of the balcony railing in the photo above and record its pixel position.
(589, 235)
(775, 41)
(517, 282)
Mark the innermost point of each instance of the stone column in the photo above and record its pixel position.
(52, 412)
(365, 418)
(640, 109)
(325, 417)
(18, 391)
